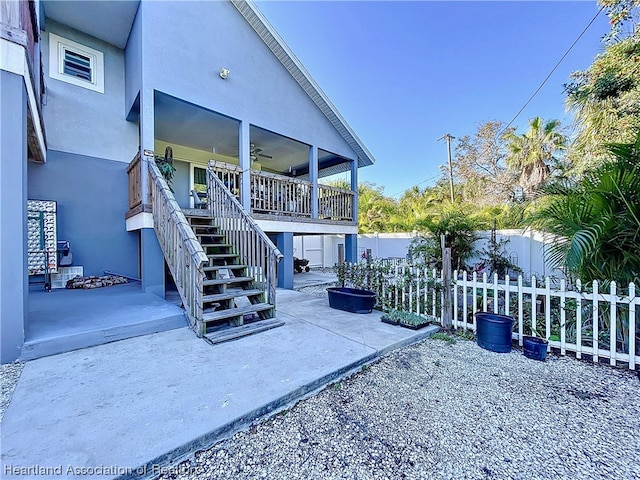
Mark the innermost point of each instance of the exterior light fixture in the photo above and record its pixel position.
(224, 73)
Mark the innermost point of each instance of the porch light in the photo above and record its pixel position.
(224, 73)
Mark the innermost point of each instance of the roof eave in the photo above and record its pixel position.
(277, 45)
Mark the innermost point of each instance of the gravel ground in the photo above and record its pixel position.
(9, 375)
(439, 410)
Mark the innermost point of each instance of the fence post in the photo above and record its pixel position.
(446, 288)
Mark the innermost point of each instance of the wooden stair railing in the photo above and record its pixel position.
(182, 251)
(253, 246)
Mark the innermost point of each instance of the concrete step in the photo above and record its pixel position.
(234, 333)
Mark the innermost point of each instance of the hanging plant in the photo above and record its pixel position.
(165, 165)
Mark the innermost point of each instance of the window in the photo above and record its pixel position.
(76, 64)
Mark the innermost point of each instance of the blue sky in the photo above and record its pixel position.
(405, 73)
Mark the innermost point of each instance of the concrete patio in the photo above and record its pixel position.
(129, 407)
(66, 319)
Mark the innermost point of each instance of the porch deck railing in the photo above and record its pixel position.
(252, 244)
(135, 183)
(335, 203)
(286, 196)
(182, 251)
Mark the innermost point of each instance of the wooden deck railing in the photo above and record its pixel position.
(281, 195)
(277, 194)
(182, 251)
(335, 203)
(252, 244)
(135, 185)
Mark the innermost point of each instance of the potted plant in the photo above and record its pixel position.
(535, 347)
(493, 331)
(408, 319)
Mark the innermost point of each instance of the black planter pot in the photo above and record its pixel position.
(493, 331)
(352, 300)
(535, 348)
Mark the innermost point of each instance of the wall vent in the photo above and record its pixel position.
(76, 64)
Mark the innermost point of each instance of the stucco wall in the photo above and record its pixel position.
(92, 196)
(82, 121)
(186, 55)
(13, 216)
(133, 63)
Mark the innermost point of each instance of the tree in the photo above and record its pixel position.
(598, 219)
(374, 209)
(460, 234)
(532, 153)
(605, 100)
(620, 12)
(480, 166)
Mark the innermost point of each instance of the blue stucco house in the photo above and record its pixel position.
(93, 92)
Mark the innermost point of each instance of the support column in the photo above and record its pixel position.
(351, 241)
(351, 248)
(313, 178)
(152, 263)
(284, 242)
(244, 140)
(354, 188)
(14, 279)
(151, 256)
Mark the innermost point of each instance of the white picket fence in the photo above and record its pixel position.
(564, 316)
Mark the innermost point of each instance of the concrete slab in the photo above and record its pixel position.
(313, 278)
(63, 320)
(121, 408)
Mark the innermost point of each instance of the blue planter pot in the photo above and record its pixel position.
(493, 331)
(352, 300)
(535, 348)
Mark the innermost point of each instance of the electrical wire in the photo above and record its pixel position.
(532, 96)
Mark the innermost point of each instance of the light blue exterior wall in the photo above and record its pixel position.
(13, 216)
(181, 183)
(84, 122)
(92, 196)
(187, 45)
(133, 64)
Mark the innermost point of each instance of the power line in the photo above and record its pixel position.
(552, 70)
(534, 93)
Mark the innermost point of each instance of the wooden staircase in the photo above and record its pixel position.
(230, 295)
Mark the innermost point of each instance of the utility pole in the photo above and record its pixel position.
(448, 137)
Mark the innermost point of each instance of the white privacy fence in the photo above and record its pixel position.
(595, 320)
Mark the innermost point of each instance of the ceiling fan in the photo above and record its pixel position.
(255, 152)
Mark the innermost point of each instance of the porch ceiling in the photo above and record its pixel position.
(109, 21)
(182, 123)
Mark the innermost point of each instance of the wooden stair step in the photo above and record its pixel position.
(235, 312)
(234, 333)
(222, 255)
(226, 281)
(213, 268)
(221, 245)
(231, 294)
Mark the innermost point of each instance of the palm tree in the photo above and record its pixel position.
(598, 219)
(532, 152)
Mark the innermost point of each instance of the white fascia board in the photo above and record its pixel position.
(306, 227)
(13, 58)
(140, 221)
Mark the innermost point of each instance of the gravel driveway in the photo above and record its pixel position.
(446, 411)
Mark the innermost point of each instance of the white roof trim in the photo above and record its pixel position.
(276, 44)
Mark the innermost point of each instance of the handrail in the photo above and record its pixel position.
(253, 245)
(182, 251)
(273, 193)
